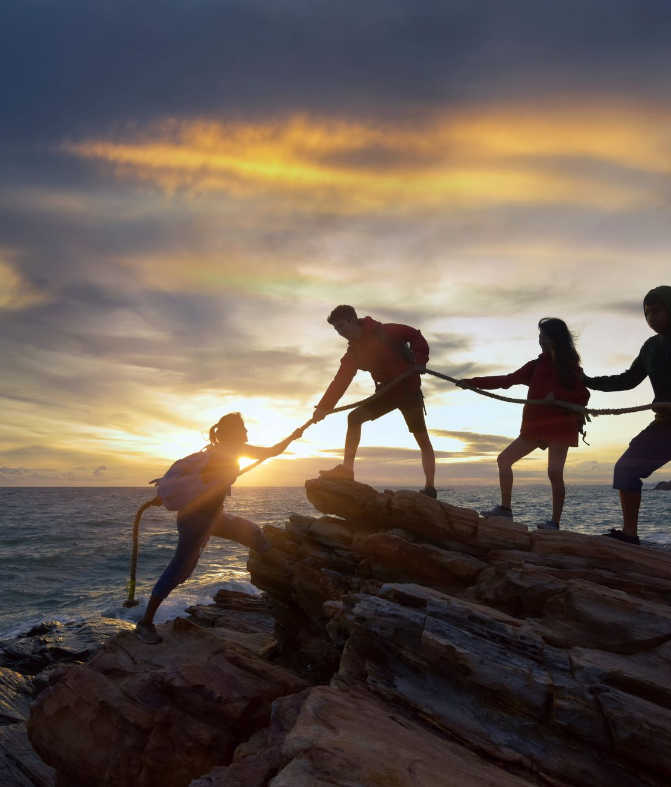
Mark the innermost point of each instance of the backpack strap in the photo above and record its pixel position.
(400, 348)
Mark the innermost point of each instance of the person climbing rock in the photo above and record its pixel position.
(555, 374)
(651, 448)
(205, 516)
(386, 351)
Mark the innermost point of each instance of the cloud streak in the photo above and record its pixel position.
(469, 160)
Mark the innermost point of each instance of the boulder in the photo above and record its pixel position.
(141, 715)
(345, 737)
(241, 618)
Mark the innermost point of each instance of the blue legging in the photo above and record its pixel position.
(194, 533)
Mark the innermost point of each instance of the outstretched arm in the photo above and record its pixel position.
(520, 377)
(263, 452)
(634, 375)
(340, 384)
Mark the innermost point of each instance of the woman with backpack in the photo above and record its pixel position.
(214, 472)
(555, 374)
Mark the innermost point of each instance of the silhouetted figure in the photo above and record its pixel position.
(386, 351)
(555, 374)
(205, 517)
(651, 449)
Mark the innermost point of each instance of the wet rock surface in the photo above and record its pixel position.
(28, 662)
(52, 643)
(19, 764)
(413, 643)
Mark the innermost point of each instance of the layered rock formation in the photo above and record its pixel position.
(27, 662)
(415, 644)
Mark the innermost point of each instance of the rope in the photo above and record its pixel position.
(360, 403)
(131, 601)
(587, 412)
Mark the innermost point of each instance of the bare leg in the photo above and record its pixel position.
(518, 449)
(354, 421)
(631, 502)
(428, 457)
(556, 461)
(152, 605)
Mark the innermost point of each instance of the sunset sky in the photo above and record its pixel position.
(188, 187)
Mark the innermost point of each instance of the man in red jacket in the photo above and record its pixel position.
(386, 351)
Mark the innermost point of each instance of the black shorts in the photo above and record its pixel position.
(411, 407)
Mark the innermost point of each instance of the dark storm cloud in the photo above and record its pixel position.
(83, 65)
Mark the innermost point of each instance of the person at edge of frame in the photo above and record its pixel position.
(651, 448)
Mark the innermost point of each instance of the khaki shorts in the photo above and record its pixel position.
(411, 407)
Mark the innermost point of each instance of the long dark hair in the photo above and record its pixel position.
(565, 357)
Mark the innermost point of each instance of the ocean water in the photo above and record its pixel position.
(65, 552)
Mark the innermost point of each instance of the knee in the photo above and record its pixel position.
(556, 477)
(355, 419)
(503, 462)
(626, 477)
(423, 440)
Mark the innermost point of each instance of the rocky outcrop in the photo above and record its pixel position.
(19, 765)
(547, 652)
(415, 644)
(663, 485)
(347, 736)
(142, 715)
(27, 663)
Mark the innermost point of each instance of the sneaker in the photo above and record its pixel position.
(620, 536)
(339, 471)
(429, 491)
(147, 634)
(499, 511)
(549, 525)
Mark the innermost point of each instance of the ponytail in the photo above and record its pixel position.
(226, 426)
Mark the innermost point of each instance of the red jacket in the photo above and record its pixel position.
(542, 422)
(372, 354)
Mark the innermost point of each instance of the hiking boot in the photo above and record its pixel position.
(147, 633)
(498, 511)
(620, 536)
(429, 491)
(549, 525)
(339, 471)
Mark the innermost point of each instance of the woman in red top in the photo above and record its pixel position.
(555, 374)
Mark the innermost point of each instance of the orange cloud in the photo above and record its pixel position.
(15, 292)
(471, 160)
